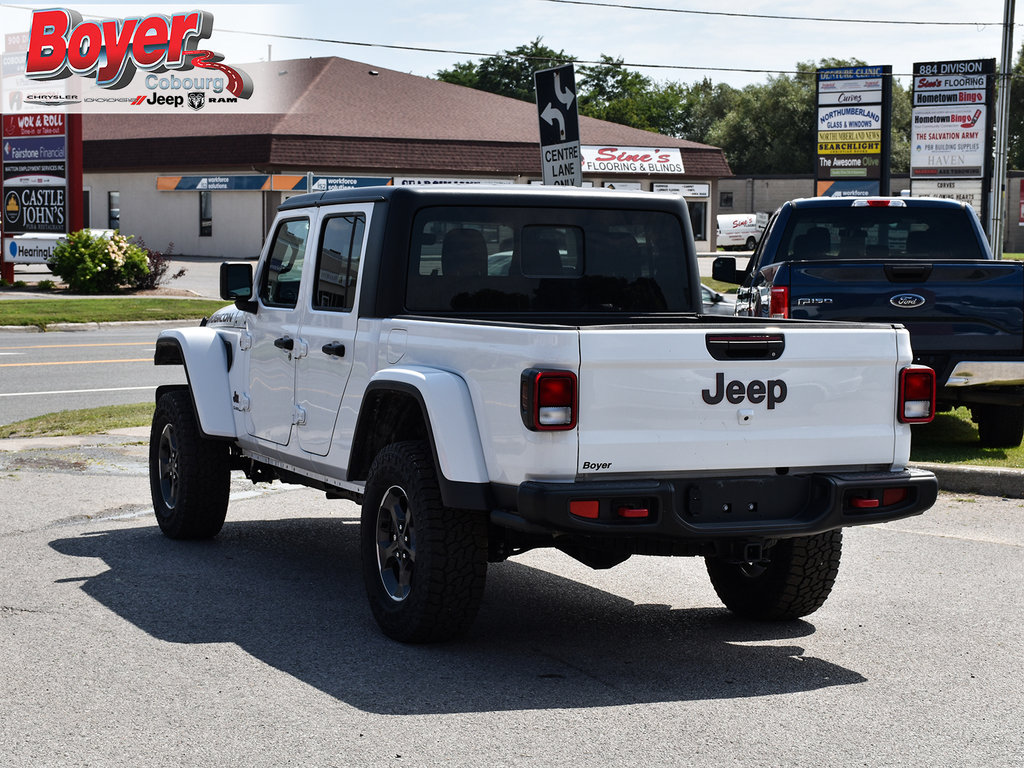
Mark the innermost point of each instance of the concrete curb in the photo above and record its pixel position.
(95, 326)
(984, 481)
(113, 437)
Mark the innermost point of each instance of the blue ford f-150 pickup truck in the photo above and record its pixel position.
(921, 262)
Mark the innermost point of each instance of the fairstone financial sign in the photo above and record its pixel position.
(34, 150)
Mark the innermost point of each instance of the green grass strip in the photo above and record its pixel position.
(87, 421)
(45, 312)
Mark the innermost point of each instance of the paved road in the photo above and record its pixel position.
(120, 647)
(48, 372)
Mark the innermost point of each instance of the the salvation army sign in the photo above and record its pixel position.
(646, 160)
(947, 142)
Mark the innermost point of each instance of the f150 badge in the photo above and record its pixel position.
(772, 392)
(907, 300)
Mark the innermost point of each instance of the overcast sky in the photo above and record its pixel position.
(684, 47)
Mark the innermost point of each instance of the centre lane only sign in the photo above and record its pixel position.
(559, 126)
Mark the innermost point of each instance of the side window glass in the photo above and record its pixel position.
(337, 269)
(279, 283)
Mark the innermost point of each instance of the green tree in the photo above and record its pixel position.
(507, 74)
(771, 127)
(1015, 132)
(703, 104)
(609, 91)
(899, 139)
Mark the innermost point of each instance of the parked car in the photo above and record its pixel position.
(921, 262)
(715, 303)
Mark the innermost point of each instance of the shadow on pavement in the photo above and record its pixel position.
(290, 593)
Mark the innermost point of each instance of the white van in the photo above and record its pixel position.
(741, 230)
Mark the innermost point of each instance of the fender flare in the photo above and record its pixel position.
(204, 355)
(448, 413)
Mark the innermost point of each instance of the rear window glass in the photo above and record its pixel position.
(878, 233)
(484, 259)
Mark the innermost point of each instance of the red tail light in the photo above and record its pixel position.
(779, 302)
(917, 395)
(547, 400)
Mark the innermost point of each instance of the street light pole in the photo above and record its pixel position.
(997, 196)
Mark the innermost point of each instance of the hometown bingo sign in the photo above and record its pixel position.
(111, 52)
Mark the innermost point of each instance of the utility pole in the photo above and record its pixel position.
(997, 199)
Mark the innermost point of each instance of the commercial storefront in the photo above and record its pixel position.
(209, 184)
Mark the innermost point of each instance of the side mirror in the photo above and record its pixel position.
(236, 284)
(724, 269)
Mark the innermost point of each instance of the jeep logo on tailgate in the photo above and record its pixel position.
(772, 391)
(907, 300)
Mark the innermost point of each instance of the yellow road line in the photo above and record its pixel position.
(69, 346)
(78, 362)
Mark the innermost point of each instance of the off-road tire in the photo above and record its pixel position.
(794, 582)
(999, 426)
(189, 475)
(424, 564)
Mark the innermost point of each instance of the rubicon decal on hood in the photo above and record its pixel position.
(61, 44)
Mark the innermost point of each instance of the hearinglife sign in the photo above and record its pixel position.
(853, 125)
(952, 131)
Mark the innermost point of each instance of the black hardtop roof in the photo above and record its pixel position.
(480, 194)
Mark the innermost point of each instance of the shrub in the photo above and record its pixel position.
(90, 263)
(46, 285)
(159, 263)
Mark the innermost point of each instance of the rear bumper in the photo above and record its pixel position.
(979, 373)
(777, 506)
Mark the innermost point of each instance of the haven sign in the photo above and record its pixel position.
(112, 51)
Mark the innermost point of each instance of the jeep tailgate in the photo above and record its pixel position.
(719, 397)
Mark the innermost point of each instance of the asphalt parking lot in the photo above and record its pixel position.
(121, 647)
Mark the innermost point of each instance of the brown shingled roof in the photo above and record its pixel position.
(351, 115)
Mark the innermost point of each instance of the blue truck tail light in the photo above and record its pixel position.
(779, 302)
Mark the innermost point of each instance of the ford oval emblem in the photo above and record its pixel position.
(907, 301)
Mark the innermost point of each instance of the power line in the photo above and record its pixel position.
(734, 14)
(505, 54)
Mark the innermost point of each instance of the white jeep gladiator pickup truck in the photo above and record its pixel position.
(492, 370)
